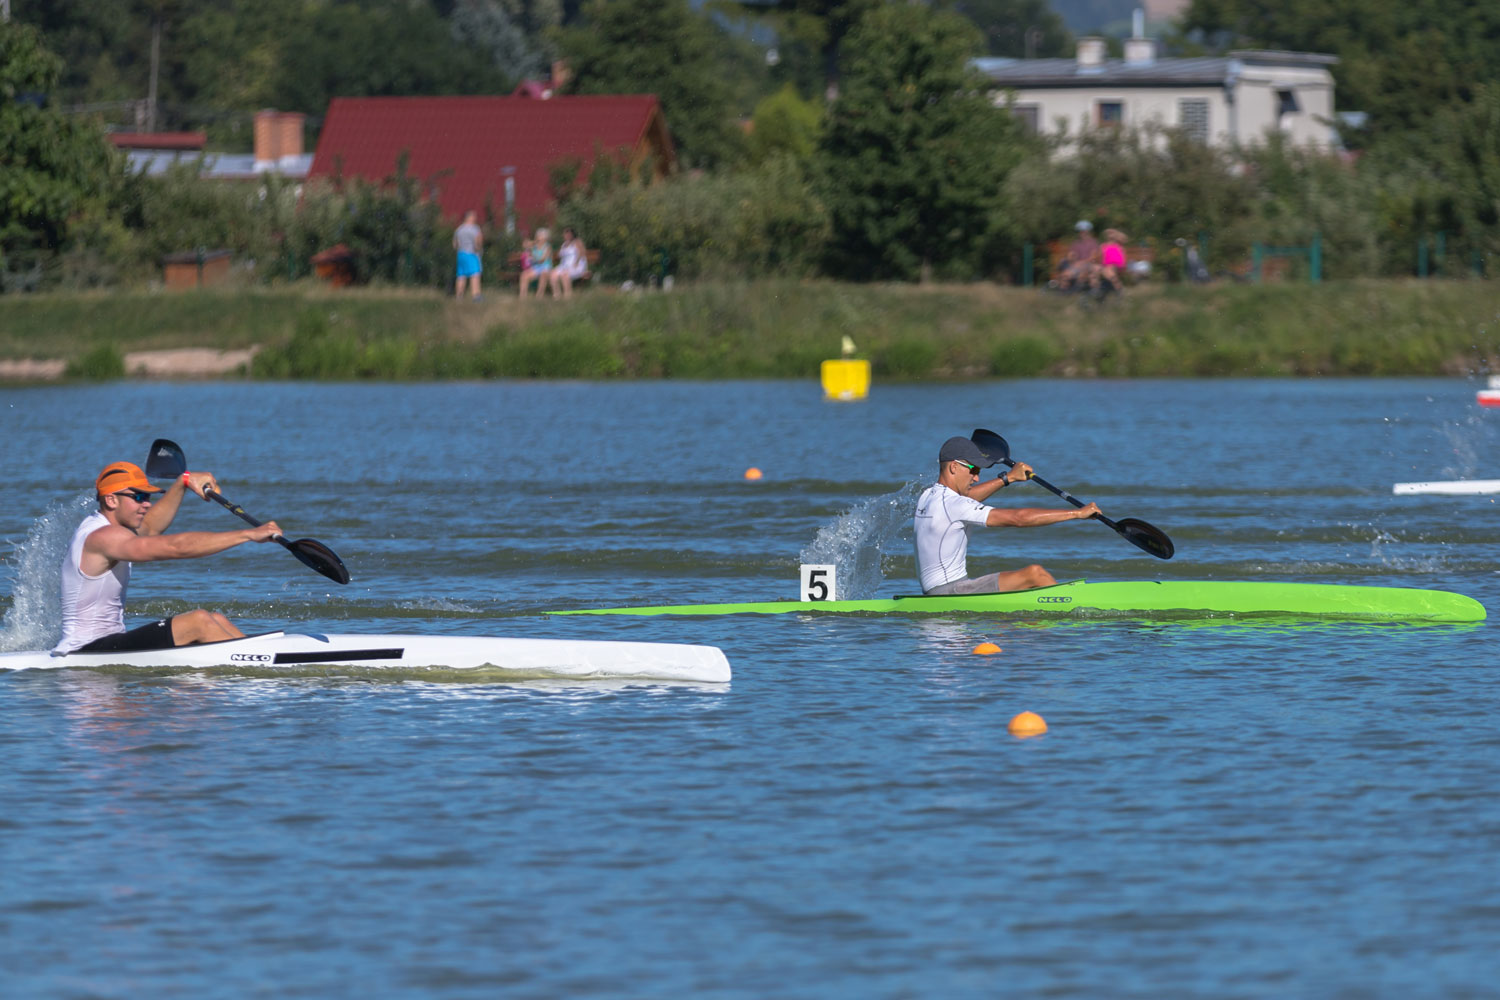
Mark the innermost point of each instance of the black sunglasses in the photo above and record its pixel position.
(139, 496)
(973, 469)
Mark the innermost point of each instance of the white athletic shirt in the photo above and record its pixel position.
(942, 525)
(92, 606)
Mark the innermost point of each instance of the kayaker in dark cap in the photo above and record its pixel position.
(129, 527)
(951, 507)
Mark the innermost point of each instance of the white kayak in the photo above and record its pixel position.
(502, 658)
(1452, 487)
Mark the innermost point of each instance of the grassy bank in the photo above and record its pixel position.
(724, 330)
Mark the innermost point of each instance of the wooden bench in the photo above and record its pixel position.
(1057, 252)
(516, 262)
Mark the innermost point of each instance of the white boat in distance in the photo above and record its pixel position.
(500, 658)
(1452, 487)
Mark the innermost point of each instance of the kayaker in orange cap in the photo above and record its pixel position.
(129, 527)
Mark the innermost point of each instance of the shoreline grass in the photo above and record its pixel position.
(785, 329)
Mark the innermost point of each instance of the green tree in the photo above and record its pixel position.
(510, 30)
(785, 124)
(1397, 61)
(816, 27)
(57, 171)
(1448, 184)
(915, 152)
(1151, 182)
(94, 38)
(379, 48)
(765, 220)
(1021, 29)
(243, 55)
(659, 47)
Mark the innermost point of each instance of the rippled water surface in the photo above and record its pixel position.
(1218, 810)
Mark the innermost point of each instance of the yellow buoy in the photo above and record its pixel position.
(1027, 724)
(752, 473)
(846, 378)
(986, 649)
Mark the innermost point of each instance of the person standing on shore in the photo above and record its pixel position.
(468, 241)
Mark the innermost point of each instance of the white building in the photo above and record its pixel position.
(1225, 100)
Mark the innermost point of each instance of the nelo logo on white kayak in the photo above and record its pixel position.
(250, 657)
(1054, 600)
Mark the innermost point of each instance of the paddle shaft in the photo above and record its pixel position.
(1146, 537)
(1034, 478)
(240, 513)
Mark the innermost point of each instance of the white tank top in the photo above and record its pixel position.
(92, 606)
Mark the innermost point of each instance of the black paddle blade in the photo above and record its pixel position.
(993, 445)
(317, 556)
(166, 460)
(1145, 537)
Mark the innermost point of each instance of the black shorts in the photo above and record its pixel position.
(157, 635)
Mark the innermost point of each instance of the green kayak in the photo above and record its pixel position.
(1131, 599)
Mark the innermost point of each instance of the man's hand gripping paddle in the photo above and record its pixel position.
(1137, 532)
(167, 461)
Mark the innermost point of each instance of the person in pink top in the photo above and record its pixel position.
(1112, 257)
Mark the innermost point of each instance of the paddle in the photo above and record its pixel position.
(167, 461)
(1137, 532)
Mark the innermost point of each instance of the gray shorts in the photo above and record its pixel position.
(968, 585)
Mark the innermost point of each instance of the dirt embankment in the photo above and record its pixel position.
(179, 363)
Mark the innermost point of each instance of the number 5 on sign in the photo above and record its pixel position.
(818, 582)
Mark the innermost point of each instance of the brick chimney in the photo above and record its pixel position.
(278, 138)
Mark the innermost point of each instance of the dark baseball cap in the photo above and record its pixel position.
(961, 449)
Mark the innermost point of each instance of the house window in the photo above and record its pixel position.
(1109, 114)
(1192, 118)
(1286, 102)
(1029, 115)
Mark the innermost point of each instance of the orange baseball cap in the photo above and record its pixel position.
(123, 476)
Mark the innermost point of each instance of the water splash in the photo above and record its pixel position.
(1472, 442)
(34, 620)
(856, 542)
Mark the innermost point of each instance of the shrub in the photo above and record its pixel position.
(98, 364)
(751, 223)
(1021, 357)
(908, 357)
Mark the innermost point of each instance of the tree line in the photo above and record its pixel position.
(874, 151)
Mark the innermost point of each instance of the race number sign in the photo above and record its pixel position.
(818, 582)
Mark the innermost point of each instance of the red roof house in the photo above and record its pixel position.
(466, 147)
(158, 140)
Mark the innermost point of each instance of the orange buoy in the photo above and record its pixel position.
(1027, 724)
(986, 649)
(752, 473)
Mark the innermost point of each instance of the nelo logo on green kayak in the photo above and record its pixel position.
(1054, 600)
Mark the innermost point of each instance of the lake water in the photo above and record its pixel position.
(1222, 810)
